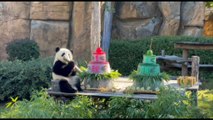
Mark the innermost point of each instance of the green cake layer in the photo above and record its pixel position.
(149, 59)
(148, 69)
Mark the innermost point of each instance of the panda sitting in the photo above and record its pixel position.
(64, 70)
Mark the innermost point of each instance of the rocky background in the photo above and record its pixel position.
(68, 24)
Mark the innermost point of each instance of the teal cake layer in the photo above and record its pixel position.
(148, 69)
(149, 59)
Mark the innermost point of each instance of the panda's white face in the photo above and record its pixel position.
(64, 55)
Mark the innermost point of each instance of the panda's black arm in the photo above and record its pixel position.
(63, 69)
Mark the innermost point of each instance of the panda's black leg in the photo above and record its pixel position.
(66, 87)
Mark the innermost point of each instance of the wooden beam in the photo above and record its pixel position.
(194, 45)
(105, 95)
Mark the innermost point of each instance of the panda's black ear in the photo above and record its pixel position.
(57, 49)
(71, 51)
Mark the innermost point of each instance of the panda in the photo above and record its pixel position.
(64, 70)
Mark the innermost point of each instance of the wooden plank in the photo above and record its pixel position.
(177, 65)
(106, 95)
(172, 58)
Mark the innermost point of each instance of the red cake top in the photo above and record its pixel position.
(99, 51)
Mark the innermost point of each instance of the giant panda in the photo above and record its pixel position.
(64, 70)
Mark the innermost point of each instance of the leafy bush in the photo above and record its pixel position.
(205, 98)
(22, 49)
(125, 55)
(170, 104)
(149, 82)
(19, 78)
(41, 105)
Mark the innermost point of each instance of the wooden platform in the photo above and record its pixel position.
(106, 95)
(124, 82)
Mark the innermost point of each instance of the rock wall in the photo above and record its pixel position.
(70, 24)
(135, 20)
(208, 25)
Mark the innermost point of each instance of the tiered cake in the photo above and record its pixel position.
(99, 65)
(149, 66)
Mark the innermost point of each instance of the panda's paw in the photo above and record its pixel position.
(72, 64)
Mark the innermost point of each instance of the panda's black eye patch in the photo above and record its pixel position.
(62, 54)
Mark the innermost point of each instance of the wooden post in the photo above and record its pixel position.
(195, 67)
(184, 66)
(107, 27)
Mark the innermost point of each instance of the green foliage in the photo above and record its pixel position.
(171, 103)
(12, 102)
(209, 4)
(122, 107)
(41, 105)
(149, 82)
(205, 98)
(22, 49)
(19, 78)
(106, 76)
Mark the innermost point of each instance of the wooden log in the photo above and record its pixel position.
(195, 67)
(173, 58)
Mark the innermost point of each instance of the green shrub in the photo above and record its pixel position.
(22, 49)
(41, 105)
(19, 78)
(205, 101)
(170, 104)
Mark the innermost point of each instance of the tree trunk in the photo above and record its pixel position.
(95, 26)
(107, 27)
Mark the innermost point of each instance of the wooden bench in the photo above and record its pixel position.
(186, 46)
